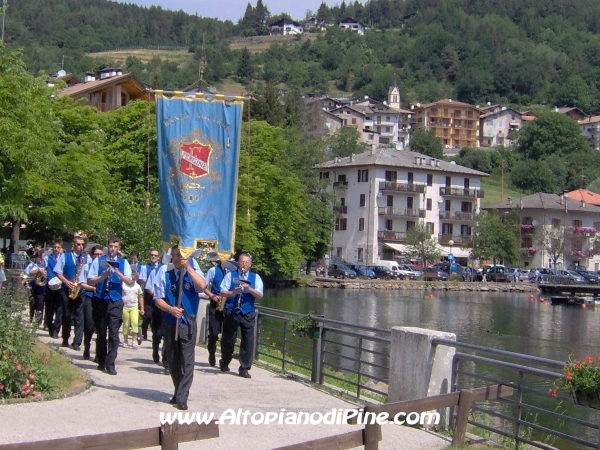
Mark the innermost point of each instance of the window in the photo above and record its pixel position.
(411, 178)
(410, 224)
(338, 252)
(387, 129)
(342, 177)
(389, 224)
(429, 204)
(429, 226)
(465, 230)
(429, 179)
(362, 200)
(323, 175)
(359, 254)
(556, 223)
(466, 207)
(363, 175)
(448, 205)
(361, 224)
(448, 181)
(390, 200)
(409, 202)
(577, 223)
(391, 175)
(447, 228)
(343, 201)
(354, 121)
(387, 118)
(341, 224)
(467, 183)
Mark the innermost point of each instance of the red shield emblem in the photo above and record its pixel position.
(194, 159)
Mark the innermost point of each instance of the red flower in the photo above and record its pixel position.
(1, 387)
(31, 376)
(47, 358)
(19, 367)
(589, 359)
(577, 365)
(37, 394)
(553, 392)
(568, 375)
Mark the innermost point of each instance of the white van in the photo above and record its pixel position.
(394, 268)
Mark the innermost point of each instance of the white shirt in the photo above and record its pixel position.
(161, 277)
(226, 283)
(95, 266)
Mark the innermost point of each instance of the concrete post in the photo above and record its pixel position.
(418, 368)
(202, 321)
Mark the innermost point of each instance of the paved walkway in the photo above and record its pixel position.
(135, 397)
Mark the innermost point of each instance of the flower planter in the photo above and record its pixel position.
(589, 398)
(310, 333)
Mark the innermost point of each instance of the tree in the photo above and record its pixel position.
(29, 135)
(421, 244)
(553, 241)
(426, 142)
(345, 142)
(245, 69)
(496, 237)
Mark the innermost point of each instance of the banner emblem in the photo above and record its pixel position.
(194, 159)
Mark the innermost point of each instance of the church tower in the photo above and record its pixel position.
(394, 95)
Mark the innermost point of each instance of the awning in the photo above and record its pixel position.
(398, 247)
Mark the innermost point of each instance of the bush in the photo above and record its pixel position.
(22, 374)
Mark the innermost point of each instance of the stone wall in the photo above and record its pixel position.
(405, 285)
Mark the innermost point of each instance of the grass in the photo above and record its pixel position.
(495, 194)
(180, 56)
(63, 375)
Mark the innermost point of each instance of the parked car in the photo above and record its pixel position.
(495, 273)
(457, 269)
(524, 276)
(340, 271)
(383, 272)
(406, 273)
(542, 271)
(573, 276)
(414, 269)
(362, 271)
(511, 274)
(434, 274)
(590, 277)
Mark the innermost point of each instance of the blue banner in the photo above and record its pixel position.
(198, 147)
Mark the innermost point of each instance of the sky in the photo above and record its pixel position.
(234, 9)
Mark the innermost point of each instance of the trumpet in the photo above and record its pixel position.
(39, 279)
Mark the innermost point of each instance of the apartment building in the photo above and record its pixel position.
(555, 227)
(590, 128)
(380, 194)
(455, 123)
(498, 125)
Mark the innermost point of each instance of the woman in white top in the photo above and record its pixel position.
(132, 300)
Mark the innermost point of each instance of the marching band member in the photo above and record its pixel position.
(152, 315)
(180, 352)
(89, 302)
(66, 269)
(109, 273)
(36, 305)
(53, 298)
(241, 288)
(214, 277)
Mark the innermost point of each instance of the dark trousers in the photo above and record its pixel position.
(54, 310)
(88, 321)
(73, 313)
(109, 316)
(230, 325)
(181, 357)
(215, 326)
(147, 317)
(36, 305)
(154, 316)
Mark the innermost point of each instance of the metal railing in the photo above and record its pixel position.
(401, 187)
(517, 418)
(402, 212)
(461, 192)
(354, 357)
(458, 215)
(390, 235)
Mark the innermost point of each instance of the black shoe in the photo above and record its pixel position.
(65, 344)
(96, 359)
(173, 400)
(156, 358)
(54, 335)
(76, 347)
(224, 367)
(212, 360)
(101, 367)
(244, 373)
(182, 406)
(145, 337)
(111, 371)
(86, 353)
(167, 371)
(139, 339)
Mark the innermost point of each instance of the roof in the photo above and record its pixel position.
(589, 120)
(583, 195)
(285, 21)
(544, 201)
(399, 158)
(351, 20)
(449, 101)
(136, 88)
(504, 110)
(69, 78)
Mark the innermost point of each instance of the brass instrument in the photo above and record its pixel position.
(220, 303)
(39, 279)
(74, 292)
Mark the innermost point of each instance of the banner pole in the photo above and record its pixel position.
(179, 293)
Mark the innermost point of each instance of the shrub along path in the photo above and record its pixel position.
(135, 398)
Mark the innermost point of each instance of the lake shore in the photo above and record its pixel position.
(406, 285)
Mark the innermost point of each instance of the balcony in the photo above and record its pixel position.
(459, 240)
(401, 187)
(458, 216)
(527, 228)
(401, 212)
(340, 184)
(391, 236)
(461, 192)
(340, 209)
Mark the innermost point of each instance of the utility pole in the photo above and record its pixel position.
(3, 16)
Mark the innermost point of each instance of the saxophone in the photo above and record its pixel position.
(74, 292)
